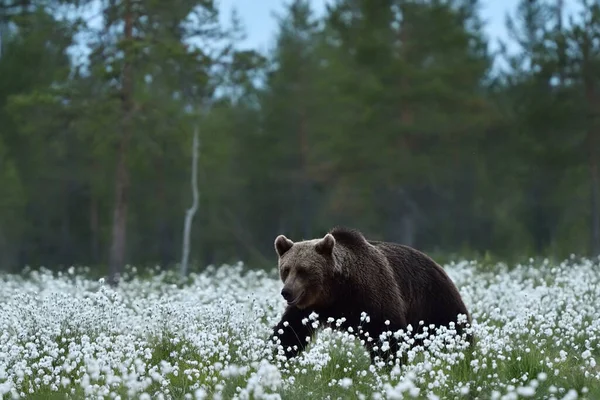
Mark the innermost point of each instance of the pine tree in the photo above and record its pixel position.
(416, 70)
(291, 117)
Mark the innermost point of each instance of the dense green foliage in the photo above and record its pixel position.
(385, 115)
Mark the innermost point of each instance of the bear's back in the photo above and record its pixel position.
(427, 289)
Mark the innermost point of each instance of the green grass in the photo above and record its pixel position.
(510, 352)
(324, 383)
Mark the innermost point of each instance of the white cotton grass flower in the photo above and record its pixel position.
(536, 327)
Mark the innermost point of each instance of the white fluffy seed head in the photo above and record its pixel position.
(76, 335)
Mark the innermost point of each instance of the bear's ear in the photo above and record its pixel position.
(282, 245)
(325, 245)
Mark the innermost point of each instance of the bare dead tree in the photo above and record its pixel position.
(189, 215)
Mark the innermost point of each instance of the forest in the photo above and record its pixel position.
(394, 117)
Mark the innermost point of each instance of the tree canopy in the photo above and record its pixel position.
(391, 116)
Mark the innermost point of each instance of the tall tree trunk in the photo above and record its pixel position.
(305, 182)
(94, 228)
(592, 142)
(25, 6)
(66, 249)
(119, 230)
(562, 53)
(539, 220)
(403, 225)
(3, 31)
(594, 192)
(401, 211)
(163, 237)
(407, 230)
(94, 215)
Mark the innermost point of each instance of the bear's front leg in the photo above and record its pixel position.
(293, 335)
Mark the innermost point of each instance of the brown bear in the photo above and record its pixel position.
(343, 275)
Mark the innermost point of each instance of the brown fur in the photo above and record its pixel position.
(343, 274)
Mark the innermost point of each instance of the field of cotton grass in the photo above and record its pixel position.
(67, 336)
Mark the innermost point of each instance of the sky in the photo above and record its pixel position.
(260, 24)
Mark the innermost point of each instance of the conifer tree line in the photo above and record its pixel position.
(391, 116)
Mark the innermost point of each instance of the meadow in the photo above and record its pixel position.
(66, 335)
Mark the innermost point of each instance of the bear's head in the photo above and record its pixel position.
(305, 268)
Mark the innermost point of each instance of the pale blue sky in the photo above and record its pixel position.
(257, 18)
(261, 25)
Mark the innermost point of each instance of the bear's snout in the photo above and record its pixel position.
(292, 293)
(287, 294)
